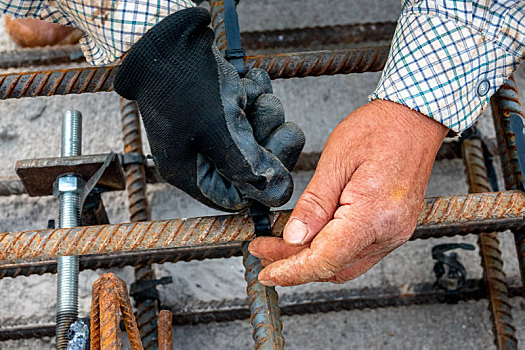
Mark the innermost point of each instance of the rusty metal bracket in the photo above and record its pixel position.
(38, 175)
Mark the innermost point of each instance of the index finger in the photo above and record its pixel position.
(333, 249)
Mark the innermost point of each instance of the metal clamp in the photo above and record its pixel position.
(145, 289)
(450, 273)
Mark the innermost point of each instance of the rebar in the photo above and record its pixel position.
(262, 300)
(217, 23)
(281, 66)
(440, 217)
(165, 330)
(138, 208)
(259, 40)
(491, 259)
(70, 209)
(295, 304)
(318, 36)
(505, 103)
(11, 186)
(130, 258)
(110, 298)
(41, 56)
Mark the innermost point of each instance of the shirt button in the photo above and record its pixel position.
(483, 88)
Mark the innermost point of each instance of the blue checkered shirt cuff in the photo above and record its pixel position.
(444, 68)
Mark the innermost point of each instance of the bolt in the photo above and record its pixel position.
(68, 189)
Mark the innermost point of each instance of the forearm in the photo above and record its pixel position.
(110, 28)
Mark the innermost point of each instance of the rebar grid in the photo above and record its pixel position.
(505, 103)
(491, 259)
(296, 304)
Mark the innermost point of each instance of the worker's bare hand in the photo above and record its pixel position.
(363, 201)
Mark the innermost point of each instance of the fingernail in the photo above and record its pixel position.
(295, 232)
(267, 283)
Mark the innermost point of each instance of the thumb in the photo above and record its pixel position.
(315, 207)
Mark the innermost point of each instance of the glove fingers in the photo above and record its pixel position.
(253, 91)
(286, 143)
(217, 189)
(266, 115)
(261, 78)
(254, 171)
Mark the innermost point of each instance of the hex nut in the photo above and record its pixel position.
(68, 183)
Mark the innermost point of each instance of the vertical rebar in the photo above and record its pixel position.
(265, 314)
(138, 209)
(505, 104)
(491, 260)
(165, 330)
(69, 216)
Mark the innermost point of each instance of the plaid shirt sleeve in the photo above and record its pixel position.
(448, 57)
(111, 27)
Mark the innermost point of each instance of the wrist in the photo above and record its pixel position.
(415, 125)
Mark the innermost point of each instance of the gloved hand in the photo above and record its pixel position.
(220, 139)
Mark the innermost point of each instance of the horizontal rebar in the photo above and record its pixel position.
(443, 216)
(130, 258)
(41, 56)
(299, 304)
(11, 185)
(280, 66)
(318, 36)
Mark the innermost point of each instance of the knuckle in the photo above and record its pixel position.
(315, 204)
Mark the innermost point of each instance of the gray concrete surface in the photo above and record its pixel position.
(30, 128)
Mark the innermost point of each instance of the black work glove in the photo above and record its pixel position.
(220, 139)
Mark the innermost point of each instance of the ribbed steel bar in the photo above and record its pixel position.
(297, 304)
(41, 56)
(130, 258)
(293, 38)
(138, 209)
(110, 298)
(505, 103)
(262, 301)
(165, 330)
(491, 259)
(442, 216)
(330, 301)
(11, 186)
(217, 23)
(318, 36)
(281, 66)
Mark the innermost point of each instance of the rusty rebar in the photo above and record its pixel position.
(294, 304)
(292, 38)
(11, 186)
(110, 298)
(440, 217)
(217, 23)
(262, 301)
(280, 66)
(41, 56)
(130, 258)
(310, 37)
(505, 103)
(491, 259)
(165, 330)
(138, 209)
